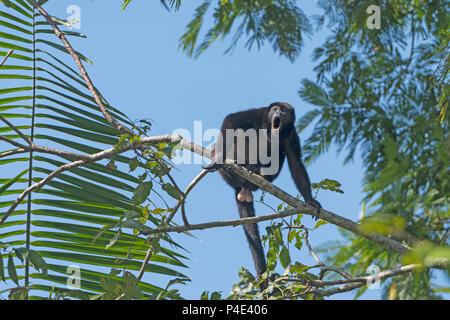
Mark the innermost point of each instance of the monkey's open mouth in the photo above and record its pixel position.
(276, 123)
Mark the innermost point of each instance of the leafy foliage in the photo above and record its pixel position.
(377, 91)
(281, 23)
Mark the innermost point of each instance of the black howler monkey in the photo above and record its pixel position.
(260, 139)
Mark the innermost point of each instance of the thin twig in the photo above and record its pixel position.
(14, 143)
(182, 194)
(225, 223)
(23, 136)
(185, 193)
(323, 268)
(6, 57)
(169, 219)
(307, 243)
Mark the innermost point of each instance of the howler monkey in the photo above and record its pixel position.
(260, 139)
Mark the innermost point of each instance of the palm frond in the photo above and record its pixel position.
(45, 98)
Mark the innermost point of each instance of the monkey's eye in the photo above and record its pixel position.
(276, 122)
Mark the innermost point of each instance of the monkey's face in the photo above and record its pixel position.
(281, 116)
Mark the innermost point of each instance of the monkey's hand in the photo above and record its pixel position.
(213, 166)
(315, 204)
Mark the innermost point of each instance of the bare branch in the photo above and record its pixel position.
(12, 152)
(354, 283)
(225, 223)
(301, 206)
(83, 159)
(186, 192)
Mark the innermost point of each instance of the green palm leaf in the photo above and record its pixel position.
(45, 98)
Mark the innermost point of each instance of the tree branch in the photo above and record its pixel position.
(12, 152)
(305, 208)
(299, 205)
(354, 283)
(82, 160)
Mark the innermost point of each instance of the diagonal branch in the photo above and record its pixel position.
(305, 208)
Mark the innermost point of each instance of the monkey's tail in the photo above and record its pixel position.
(246, 209)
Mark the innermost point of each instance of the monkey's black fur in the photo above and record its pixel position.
(280, 117)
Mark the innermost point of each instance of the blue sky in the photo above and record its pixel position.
(140, 70)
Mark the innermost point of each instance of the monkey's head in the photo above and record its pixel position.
(281, 116)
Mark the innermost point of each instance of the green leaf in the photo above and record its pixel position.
(12, 270)
(172, 191)
(67, 213)
(386, 224)
(299, 268)
(21, 253)
(12, 181)
(320, 223)
(133, 164)
(285, 257)
(38, 262)
(114, 239)
(142, 192)
(2, 270)
(442, 289)
(328, 184)
(101, 231)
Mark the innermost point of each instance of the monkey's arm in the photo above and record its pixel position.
(291, 147)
